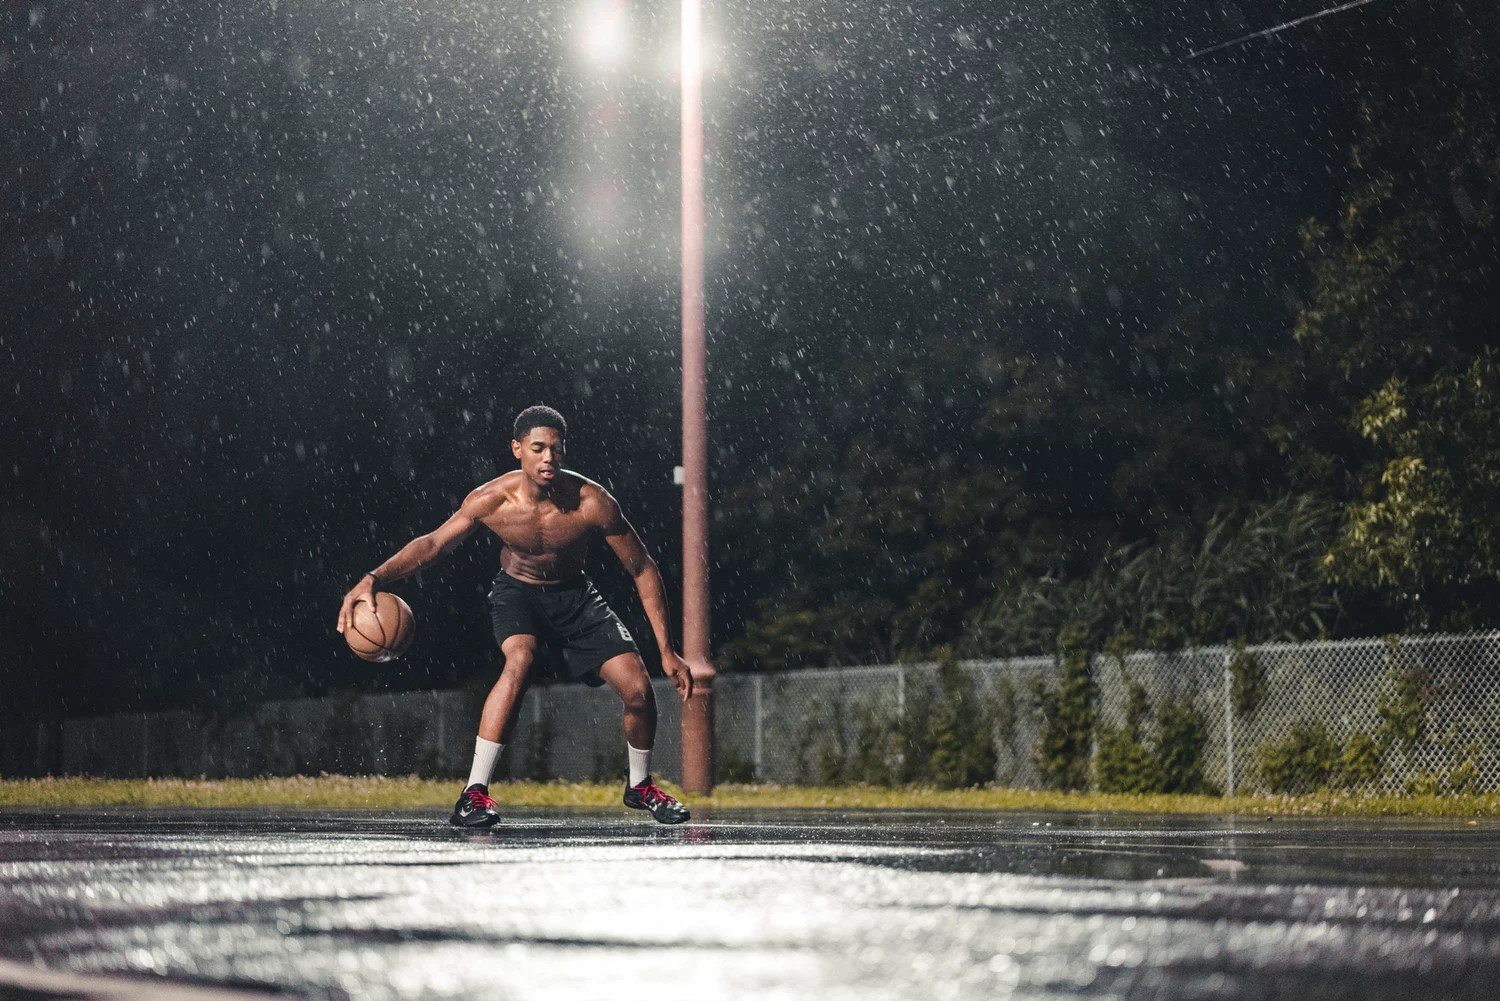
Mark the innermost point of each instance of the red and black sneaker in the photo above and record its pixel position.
(474, 808)
(647, 796)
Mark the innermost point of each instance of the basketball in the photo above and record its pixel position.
(382, 633)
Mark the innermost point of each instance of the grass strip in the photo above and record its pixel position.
(368, 792)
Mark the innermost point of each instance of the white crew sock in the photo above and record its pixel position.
(485, 753)
(640, 764)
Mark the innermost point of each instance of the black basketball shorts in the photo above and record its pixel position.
(570, 617)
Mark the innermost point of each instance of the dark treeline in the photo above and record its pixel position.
(1149, 448)
(1199, 461)
(1019, 323)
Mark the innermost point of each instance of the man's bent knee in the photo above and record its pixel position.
(515, 670)
(519, 651)
(626, 674)
(638, 699)
(637, 695)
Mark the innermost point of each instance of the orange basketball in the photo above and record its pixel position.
(381, 633)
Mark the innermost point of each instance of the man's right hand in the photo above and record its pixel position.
(363, 591)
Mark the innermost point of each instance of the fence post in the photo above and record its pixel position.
(145, 745)
(760, 722)
(901, 692)
(1093, 662)
(1229, 783)
(442, 731)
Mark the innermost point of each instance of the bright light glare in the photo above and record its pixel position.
(709, 55)
(605, 33)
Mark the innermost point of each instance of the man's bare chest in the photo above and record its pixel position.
(537, 531)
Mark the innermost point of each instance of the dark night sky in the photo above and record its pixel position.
(278, 273)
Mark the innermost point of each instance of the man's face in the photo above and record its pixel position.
(541, 455)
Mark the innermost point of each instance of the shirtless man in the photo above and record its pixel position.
(545, 516)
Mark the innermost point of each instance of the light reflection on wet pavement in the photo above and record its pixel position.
(791, 904)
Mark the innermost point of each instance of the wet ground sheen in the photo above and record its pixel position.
(762, 904)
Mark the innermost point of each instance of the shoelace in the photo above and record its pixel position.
(652, 795)
(479, 800)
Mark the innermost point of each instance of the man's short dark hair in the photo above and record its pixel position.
(538, 417)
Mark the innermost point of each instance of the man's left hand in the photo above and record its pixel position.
(674, 667)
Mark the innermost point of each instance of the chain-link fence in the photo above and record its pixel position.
(813, 727)
(1396, 714)
(1417, 713)
(1373, 715)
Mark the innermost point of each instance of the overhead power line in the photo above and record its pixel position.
(1278, 29)
(1133, 75)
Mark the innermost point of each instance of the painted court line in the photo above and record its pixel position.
(116, 988)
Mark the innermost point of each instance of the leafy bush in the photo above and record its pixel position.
(945, 738)
(871, 757)
(1181, 737)
(1403, 709)
(1247, 680)
(1310, 758)
(962, 734)
(1133, 759)
(1068, 714)
(913, 735)
(818, 748)
(1463, 778)
(733, 767)
(1460, 778)
(876, 755)
(828, 766)
(1005, 711)
(1360, 761)
(1125, 763)
(1300, 762)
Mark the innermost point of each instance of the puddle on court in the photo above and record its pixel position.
(775, 904)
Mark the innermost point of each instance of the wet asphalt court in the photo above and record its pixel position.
(784, 904)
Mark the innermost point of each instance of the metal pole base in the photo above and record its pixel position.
(698, 731)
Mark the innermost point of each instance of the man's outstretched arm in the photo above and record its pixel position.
(622, 538)
(416, 555)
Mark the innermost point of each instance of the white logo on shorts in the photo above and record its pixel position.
(624, 633)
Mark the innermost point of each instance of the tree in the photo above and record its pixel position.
(1404, 311)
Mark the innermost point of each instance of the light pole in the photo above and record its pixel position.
(698, 711)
